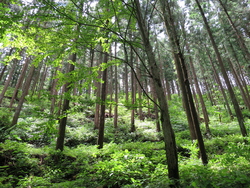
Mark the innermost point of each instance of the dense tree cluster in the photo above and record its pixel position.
(80, 53)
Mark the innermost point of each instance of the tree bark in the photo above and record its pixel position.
(98, 95)
(100, 139)
(116, 93)
(19, 82)
(236, 32)
(25, 91)
(65, 108)
(224, 73)
(183, 77)
(169, 137)
(197, 88)
(10, 76)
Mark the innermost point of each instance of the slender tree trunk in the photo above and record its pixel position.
(168, 89)
(195, 97)
(100, 139)
(156, 111)
(65, 108)
(224, 73)
(240, 72)
(25, 91)
(43, 77)
(98, 96)
(5, 66)
(111, 88)
(133, 91)
(182, 75)
(2, 72)
(54, 92)
(169, 137)
(10, 76)
(197, 88)
(126, 81)
(138, 72)
(236, 32)
(239, 84)
(19, 82)
(217, 78)
(92, 55)
(208, 89)
(116, 93)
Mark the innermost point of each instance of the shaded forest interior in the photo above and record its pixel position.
(130, 93)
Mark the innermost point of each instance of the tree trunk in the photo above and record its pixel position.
(65, 107)
(240, 72)
(100, 139)
(138, 73)
(116, 93)
(10, 76)
(98, 95)
(19, 82)
(217, 78)
(126, 81)
(25, 91)
(224, 73)
(54, 92)
(133, 91)
(156, 111)
(42, 80)
(182, 75)
(2, 72)
(236, 32)
(169, 137)
(197, 88)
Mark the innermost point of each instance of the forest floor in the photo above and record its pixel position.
(129, 159)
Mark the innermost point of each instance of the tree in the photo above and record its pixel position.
(65, 107)
(103, 106)
(25, 91)
(10, 76)
(169, 137)
(191, 112)
(224, 73)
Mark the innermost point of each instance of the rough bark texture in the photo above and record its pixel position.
(116, 93)
(133, 91)
(6, 85)
(169, 137)
(203, 106)
(65, 108)
(182, 75)
(236, 32)
(19, 82)
(217, 78)
(24, 93)
(98, 95)
(224, 74)
(100, 139)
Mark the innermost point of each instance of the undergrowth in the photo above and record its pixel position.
(28, 158)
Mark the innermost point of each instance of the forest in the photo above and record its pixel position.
(124, 93)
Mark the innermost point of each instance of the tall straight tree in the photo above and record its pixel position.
(224, 73)
(236, 32)
(10, 76)
(197, 88)
(100, 139)
(169, 137)
(25, 91)
(188, 102)
(65, 107)
(116, 92)
(19, 82)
